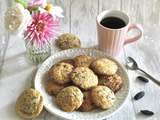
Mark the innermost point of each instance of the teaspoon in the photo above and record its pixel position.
(132, 65)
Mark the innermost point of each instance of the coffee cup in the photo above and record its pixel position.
(112, 29)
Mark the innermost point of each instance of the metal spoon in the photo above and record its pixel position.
(132, 65)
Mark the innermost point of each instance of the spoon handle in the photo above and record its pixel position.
(149, 76)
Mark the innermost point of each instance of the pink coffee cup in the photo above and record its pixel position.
(112, 40)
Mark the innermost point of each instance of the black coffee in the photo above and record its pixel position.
(113, 22)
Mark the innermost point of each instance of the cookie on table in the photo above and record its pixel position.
(87, 104)
(104, 66)
(60, 73)
(69, 98)
(29, 104)
(114, 82)
(68, 41)
(84, 78)
(53, 88)
(83, 61)
(103, 97)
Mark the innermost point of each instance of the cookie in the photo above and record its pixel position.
(60, 73)
(84, 78)
(29, 104)
(83, 61)
(69, 61)
(68, 41)
(114, 82)
(103, 97)
(69, 98)
(104, 66)
(87, 104)
(53, 88)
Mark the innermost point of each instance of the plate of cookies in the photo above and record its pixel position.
(82, 84)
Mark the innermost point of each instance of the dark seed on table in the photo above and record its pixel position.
(143, 79)
(147, 112)
(139, 95)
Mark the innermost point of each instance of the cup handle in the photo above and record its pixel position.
(136, 37)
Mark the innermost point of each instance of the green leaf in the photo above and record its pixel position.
(22, 2)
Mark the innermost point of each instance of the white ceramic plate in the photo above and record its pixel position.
(77, 115)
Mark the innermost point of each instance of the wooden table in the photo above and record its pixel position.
(18, 72)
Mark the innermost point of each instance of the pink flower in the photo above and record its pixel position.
(42, 29)
(37, 3)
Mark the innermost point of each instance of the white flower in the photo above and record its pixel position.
(17, 18)
(55, 11)
(42, 10)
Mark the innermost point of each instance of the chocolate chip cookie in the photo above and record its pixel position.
(69, 98)
(104, 66)
(83, 61)
(69, 61)
(53, 88)
(29, 104)
(114, 82)
(84, 78)
(103, 97)
(68, 41)
(60, 73)
(87, 104)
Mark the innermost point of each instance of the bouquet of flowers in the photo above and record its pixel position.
(36, 20)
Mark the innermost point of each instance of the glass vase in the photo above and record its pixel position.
(38, 54)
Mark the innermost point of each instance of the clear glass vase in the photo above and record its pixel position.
(38, 54)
